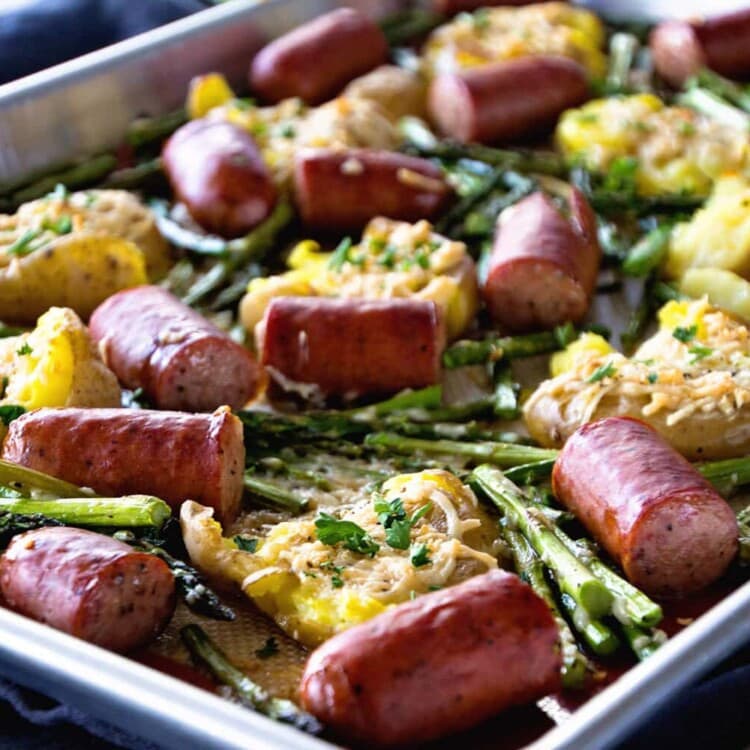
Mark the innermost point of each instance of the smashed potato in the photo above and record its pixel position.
(74, 270)
(56, 364)
(690, 382)
(394, 259)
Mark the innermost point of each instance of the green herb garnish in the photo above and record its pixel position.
(24, 349)
(607, 370)
(62, 225)
(392, 517)
(685, 334)
(9, 412)
(340, 254)
(699, 352)
(246, 543)
(331, 530)
(652, 377)
(419, 555)
(23, 246)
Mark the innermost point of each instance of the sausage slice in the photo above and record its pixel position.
(436, 665)
(151, 340)
(172, 455)
(667, 527)
(88, 585)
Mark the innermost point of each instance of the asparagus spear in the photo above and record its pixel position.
(715, 107)
(597, 636)
(464, 353)
(129, 511)
(531, 569)
(274, 496)
(90, 171)
(632, 607)
(648, 254)
(722, 87)
(726, 475)
(505, 395)
(130, 178)
(189, 583)
(500, 454)
(34, 484)
(8, 331)
(535, 471)
(643, 642)
(204, 650)
(743, 521)
(12, 524)
(592, 599)
(401, 28)
(145, 130)
(239, 252)
(623, 48)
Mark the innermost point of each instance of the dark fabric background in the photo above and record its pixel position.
(714, 714)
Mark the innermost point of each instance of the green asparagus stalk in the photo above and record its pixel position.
(649, 253)
(530, 568)
(186, 239)
(86, 173)
(715, 107)
(404, 27)
(130, 178)
(190, 585)
(743, 521)
(598, 637)
(592, 599)
(722, 87)
(461, 208)
(664, 292)
(639, 318)
(623, 48)
(147, 130)
(239, 252)
(12, 524)
(424, 398)
(8, 331)
(505, 394)
(632, 606)
(205, 651)
(536, 471)
(464, 353)
(128, 511)
(36, 485)
(726, 475)
(500, 454)
(643, 643)
(274, 496)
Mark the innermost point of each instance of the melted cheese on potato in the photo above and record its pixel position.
(394, 259)
(56, 364)
(314, 590)
(677, 149)
(492, 35)
(697, 363)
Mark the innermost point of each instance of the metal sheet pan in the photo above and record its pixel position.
(83, 107)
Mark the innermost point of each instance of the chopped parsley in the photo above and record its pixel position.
(288, 131)
(336, 581)
(270, 648)
(388, 258)
(340, 254)
(24, 349)
(9, 412)
(422, 259)
(699, 352)
(331, 530)
(62, 225)
(607, 370)
(686, 128)
(23, 246)
(480, 19)
(419, 555)
(685, 334)
(652, 377)
(392, 517)
(412, 595)
(246, 543)
(620, 177)
(60, 193)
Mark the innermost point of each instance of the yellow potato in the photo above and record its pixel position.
(114, 213)
(56, 364)
(398, 91)
(718, 235)
(723, 289)
(75, 270)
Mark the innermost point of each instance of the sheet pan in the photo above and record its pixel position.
(83, 107)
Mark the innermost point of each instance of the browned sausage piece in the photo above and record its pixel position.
(722, 43)
(506, 100)
(451, 7)
(316, 60)
(344, 189)
(88, 585)
(216, 170)
(172, 455)
(439, 664)
(151, 340)
(350, 347)
(666, 526)
(543, 267)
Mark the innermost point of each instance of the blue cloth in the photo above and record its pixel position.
(41, 33)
